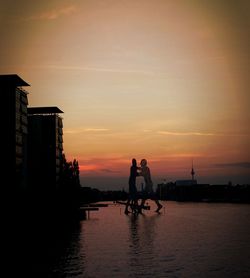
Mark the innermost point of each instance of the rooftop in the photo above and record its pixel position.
(44, 110)
(12, 80)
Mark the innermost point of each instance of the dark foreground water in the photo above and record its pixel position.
(185, 240)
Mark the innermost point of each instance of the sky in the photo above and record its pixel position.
(163, 80)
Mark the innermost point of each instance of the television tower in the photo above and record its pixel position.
(192, 171)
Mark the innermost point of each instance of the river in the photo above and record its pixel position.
(184, 240)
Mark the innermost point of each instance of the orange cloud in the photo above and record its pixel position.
(54, 14)
(86, 168)
(186, 133)
(80, 130)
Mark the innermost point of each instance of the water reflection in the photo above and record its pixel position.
(142, 230)
(134, 245)
(71, 262)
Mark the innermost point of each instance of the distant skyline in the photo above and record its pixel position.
(163, 80)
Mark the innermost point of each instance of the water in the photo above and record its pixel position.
(185, 240)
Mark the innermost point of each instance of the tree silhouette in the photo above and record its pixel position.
(69, 174)
(69, 185)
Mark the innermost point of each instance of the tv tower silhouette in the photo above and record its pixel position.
(192, 171)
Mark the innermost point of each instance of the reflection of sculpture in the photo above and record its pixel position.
(143, 232)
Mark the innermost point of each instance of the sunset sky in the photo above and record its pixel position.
(163, 80)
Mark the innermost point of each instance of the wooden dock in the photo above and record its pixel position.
(86, 210)
(98, 205)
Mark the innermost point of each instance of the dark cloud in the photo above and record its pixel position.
(235, 164)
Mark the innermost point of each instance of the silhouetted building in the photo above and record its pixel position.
(45, 147)
(14, 131)
(185, 182)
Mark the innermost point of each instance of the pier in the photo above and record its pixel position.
(90, 207)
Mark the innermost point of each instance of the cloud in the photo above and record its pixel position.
(87, 167)
(185, 133)
(54, 14)
(94, 69)
(82, 130)
(172, 133)
(96, 129)
(103, 160)
(245, 165)
(109, 171)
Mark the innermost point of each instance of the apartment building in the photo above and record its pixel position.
(45, 147)
(14, 102)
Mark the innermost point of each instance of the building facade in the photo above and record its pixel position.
(45, 147)
(15, 130)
